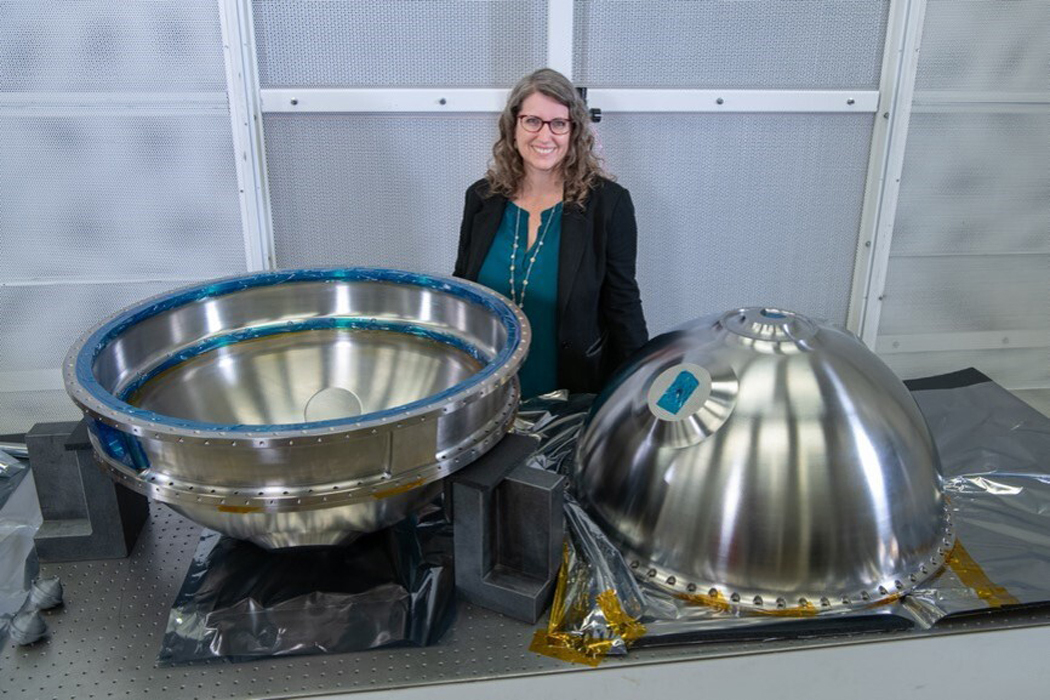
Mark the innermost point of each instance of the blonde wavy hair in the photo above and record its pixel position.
(580, 168)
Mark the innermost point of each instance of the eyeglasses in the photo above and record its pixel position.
(558, 127)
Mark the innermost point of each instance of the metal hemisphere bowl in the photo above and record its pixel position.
(763, 461)
(300, 407)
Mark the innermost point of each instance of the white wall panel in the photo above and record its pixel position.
(986, 45)
(398, 43)
(39, 325)
(955, 294)
(92, 46)
(736, 210)
(975, 183)
(116, 164)
(805, 44)
(732, 209)
(116, 197)
(69, 309)
(21, 410)
(969, 265)
(382, 190)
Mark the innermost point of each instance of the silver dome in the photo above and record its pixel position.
(767, 462)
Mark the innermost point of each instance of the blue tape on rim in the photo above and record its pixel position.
(108, 332)
(678, 393)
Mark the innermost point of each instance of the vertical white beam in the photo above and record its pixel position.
(885, 165)
(559, 36)
(242, 82)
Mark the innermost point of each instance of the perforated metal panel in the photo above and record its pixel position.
(40, 322)
(116, 197)
(969, 265)
(38, 325)
(381, 190)
(785, 44)
(21, 410)
(740, 210)
(966, 294)
(126, 46)
(732, 209)
(398, 43)
(985, 45)
(117, 164)
(975, 183)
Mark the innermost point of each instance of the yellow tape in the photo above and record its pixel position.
(717, 601)
(887, 601)
(807, 610)
(973, 576)
(567, 647)
(557, 643)
(393, 491)
(239, 509)
(625, 626)
(557, 616)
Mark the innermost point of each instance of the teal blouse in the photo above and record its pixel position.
(539, 374)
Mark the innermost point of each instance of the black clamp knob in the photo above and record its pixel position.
(594, 112)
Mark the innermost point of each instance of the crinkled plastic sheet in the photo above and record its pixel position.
(20, 519)
(240, 602)
(995, 458)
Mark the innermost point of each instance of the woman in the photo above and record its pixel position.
(547, 228)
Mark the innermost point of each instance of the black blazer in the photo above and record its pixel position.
(599, 314)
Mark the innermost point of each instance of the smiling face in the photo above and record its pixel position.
(542, 151)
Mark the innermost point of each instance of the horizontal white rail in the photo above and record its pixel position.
(467, 100)
(977, 340)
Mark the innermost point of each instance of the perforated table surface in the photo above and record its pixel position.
(104, 641)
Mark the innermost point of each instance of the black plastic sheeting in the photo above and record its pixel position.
(240, 602)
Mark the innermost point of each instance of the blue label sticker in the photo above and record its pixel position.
(679, 392)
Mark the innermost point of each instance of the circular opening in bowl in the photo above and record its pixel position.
(331, 403)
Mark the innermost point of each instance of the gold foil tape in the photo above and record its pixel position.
(570, 607)
(973, 577)
(571, 648)
(716, 601)
(626, 627)
(396, 490)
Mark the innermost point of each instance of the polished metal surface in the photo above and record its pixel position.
(300, 407)
(15, 449)
(764, 461)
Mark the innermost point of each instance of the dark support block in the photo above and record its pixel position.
(509, 526)
(86, 514)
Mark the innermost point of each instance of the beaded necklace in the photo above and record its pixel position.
(532, 262)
